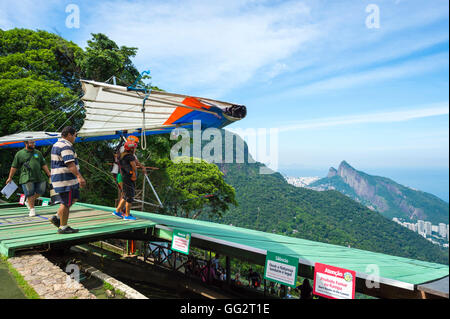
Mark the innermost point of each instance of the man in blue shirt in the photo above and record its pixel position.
(66, 178)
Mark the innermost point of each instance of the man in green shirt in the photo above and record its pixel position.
(31, 163)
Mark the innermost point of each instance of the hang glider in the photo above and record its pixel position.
(41, 138)
(113, 111)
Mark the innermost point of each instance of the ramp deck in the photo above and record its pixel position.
(19, 231)
(398, 277)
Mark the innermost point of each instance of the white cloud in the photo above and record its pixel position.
(215, 46)
(27, 13)
(344, 44)
(5, 23)
(380, 117)
(373, 76)
(211, 47)
(370, 56)
(276, 69)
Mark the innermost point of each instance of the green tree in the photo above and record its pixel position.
(37, 80)
(182, 186)
(38, 84)
(191, 185)
(103, 58)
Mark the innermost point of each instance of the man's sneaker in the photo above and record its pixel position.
(55, 221)
(67, 230)
(32, 213)
(129, 217)
(117, 214)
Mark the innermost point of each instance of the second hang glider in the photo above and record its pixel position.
(113, 111)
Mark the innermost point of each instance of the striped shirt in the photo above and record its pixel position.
(62, 178)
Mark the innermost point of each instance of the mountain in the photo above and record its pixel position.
(383, 195)
(268, 203)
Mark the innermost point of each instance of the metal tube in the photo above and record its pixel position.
(157, 197)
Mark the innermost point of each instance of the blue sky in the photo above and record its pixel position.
(335, 89)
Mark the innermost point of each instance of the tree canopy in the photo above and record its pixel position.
(103, 58)
(198, 187)
(37, 80)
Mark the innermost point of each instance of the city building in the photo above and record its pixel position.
(420, 226)
(442, 230)
(428, 228)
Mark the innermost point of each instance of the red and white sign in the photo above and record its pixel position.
(22, 199)
(334, 282)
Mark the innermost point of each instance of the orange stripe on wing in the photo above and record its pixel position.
(177, 114)
(8, 143)
(181, 111)
(194, 102)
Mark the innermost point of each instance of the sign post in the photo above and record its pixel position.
(281, 269)
(334, 282)
(181, 241)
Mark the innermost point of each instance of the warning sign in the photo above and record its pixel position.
(181, 241)
(22, 199)
(334, 282)
(281, 269)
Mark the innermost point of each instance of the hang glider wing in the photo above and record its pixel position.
(113, 110)
(41, 138)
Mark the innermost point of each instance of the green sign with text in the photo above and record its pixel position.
(281, 269)
(181, 241)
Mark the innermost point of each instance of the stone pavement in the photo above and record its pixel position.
(47, 279)
(129, 292)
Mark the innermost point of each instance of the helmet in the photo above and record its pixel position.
(130, 145)
(133, 138)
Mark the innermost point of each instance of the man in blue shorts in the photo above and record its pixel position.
(127, 163)
(66, 178)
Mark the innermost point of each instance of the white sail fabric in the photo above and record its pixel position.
(111, 108)
(28, 136)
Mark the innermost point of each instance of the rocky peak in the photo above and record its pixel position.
(357, 182)
(345, 169)
(383, 195)
(332, 172)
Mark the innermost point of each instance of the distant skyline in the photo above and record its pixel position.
(334, 85)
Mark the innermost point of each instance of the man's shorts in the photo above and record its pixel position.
(67, 198)
(31, 188)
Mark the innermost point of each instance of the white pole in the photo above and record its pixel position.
(148, 180)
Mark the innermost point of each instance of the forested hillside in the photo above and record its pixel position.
(268, 203)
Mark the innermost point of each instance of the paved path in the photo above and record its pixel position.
(48, 280)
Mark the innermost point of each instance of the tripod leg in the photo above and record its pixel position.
(154, 192)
